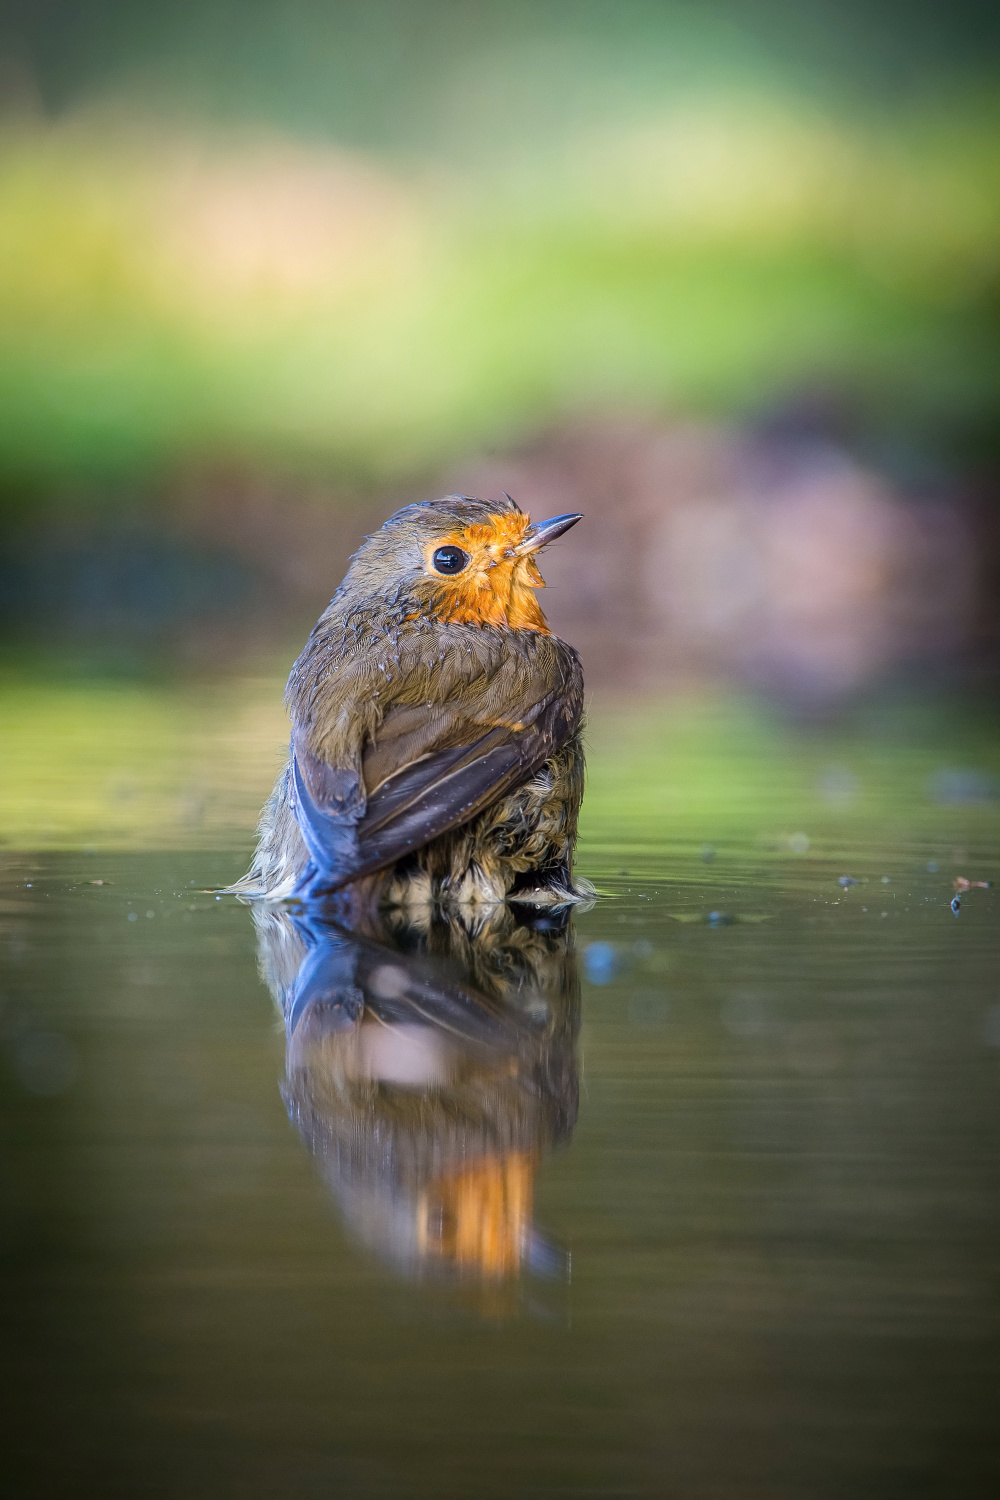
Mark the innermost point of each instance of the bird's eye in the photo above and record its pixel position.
(449, 560)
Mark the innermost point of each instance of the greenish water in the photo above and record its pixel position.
(746, 1120)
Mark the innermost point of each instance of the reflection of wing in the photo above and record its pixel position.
(343, 973)
(430, 768)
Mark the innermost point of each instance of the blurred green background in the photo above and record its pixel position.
(269, 270)
(371, 237)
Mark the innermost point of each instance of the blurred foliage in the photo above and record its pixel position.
(166, 298)
(150, 766)
(371, 238)
(461, 77)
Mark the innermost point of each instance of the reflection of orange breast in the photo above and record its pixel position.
(478, 1218)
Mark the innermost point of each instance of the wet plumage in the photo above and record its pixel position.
(435, 750)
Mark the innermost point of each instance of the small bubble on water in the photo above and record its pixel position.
(932, 867)
(151, 914)
(133, 916)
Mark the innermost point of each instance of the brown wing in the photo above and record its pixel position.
(430, 768)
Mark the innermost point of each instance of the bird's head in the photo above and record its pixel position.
(458, 561)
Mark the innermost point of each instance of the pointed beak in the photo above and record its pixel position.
(539, 536)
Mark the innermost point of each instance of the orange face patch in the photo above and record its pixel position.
(495, 587)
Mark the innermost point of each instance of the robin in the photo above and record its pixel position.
(435, 748)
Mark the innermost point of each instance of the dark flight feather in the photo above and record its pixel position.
(417, 792)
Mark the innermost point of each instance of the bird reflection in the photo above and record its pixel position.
(430, 1064)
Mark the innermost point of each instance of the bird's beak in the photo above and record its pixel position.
(539, 536)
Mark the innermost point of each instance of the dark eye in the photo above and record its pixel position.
(449, 559)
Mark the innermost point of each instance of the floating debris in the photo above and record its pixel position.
(846, 880)
(956, 904)
(707, 854)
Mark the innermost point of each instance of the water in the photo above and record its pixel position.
(727, 1216)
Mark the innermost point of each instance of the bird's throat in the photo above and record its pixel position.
(503, 594)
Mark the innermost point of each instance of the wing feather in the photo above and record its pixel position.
(428, 769)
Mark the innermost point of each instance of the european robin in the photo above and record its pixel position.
(435, 749)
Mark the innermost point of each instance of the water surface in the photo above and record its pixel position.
(729, 1198)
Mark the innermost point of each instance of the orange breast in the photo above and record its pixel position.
(496, 588)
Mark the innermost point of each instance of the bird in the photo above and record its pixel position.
(436, 721)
